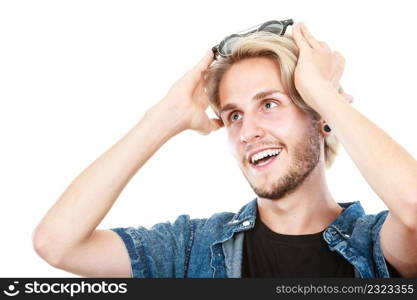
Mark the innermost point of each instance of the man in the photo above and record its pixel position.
(282, 147)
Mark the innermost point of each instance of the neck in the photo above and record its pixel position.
(309, 209)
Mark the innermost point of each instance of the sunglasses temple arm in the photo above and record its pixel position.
(288, 22)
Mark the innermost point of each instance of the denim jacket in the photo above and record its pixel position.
(212, 247)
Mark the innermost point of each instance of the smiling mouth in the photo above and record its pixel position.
(264, 158)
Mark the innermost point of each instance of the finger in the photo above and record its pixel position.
(348, 97)
(205, 61)
(210, 126)
(340, 58)
(324, 45)
(309, 37)
(337, 75)
(197, 72)
(299, 38)
(200, 93)
(216, 124)
(339, 66)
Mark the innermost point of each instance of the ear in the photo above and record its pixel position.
(325, 129)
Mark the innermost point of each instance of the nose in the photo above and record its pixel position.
(250, 129)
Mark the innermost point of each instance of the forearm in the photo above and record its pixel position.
(388, 168)
(82, 206)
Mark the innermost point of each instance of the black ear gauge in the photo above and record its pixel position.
(326, 128)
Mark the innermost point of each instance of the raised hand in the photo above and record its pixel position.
(187, 95)
(317, 64)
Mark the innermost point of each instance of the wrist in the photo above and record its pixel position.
(167, 116)
(326, 101)
(316, 92)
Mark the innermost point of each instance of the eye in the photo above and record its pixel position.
(270, 104)
(234, 116)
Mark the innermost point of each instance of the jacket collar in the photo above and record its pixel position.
(246, 217)
(345, 223)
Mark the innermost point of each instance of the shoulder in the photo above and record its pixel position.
(184, 223)
(212, 225)
(223, 220)
(371, 223)
(354, 220)
(366, 233)
(360, 230)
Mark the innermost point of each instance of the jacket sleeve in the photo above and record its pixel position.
(161, 251)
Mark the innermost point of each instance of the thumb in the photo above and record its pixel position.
(216, 124)
(211, 125)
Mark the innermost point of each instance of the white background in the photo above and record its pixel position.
(75, 76)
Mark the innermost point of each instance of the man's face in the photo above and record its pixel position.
(258, 116)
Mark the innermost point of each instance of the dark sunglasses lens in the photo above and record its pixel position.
(226, 46)
(273, 27)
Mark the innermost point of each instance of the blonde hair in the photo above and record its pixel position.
(284, 51)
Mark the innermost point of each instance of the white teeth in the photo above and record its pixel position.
(265, 153)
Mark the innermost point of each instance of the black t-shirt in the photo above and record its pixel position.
(270, 254)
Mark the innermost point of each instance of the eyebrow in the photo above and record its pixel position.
(258, 96)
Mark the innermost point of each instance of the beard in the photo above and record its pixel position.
(305, 158)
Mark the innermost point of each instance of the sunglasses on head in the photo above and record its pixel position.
(225, 47)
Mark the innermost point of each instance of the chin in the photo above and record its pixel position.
(266, 185)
